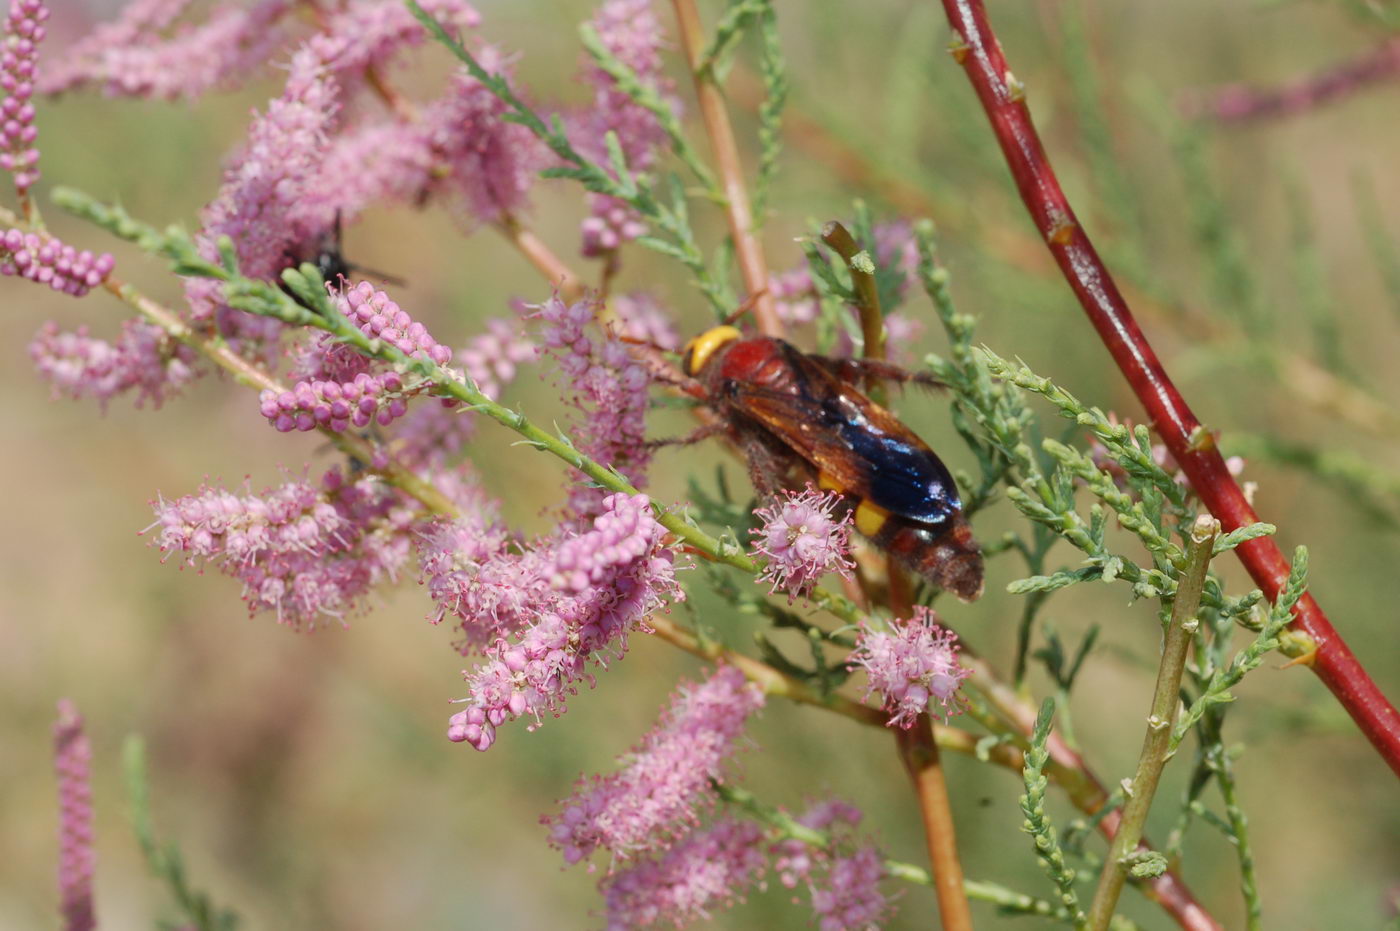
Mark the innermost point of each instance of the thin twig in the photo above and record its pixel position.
(555, 270)
(1155, 746)
(747, 249)
(1003, 98)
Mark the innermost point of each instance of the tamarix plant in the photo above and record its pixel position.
(821, 586)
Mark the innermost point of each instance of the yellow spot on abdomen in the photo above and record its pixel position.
(870, 518)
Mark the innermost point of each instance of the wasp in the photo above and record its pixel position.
(327, 254)
(798, 416)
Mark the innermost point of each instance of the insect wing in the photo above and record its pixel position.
(846, 436)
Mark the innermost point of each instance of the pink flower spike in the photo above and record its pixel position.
(73, 764)
(24, 30)
(143, 361)
(48, 261)
(300, 551)
(606, 385)
(706, 871)
(803, 540)
(571, 601)
(912, 666)
(666, 778)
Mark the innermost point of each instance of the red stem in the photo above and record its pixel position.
(1241, 103)
(981, 56)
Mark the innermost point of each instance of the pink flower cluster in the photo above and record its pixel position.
(134, 57)
(709, 869)
(369, 33)
(24, 30)
(72, 761)
(575, 599)
(487, 163)
(666, 779)
(378, 317)
(491, 359)
(45, 260)
(608, 386)
(842, 878)
(352, 393)
(336, 405)
(803, 540)
(644, 318)
(143, 360)
(912, 665)
(300, 551)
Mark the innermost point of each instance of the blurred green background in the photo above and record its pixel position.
(307, 777)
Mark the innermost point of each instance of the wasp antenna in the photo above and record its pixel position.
(745, 307)
(385, 277)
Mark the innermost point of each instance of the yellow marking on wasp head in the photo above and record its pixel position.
(870, 518)
(700, 349)
(827, 482)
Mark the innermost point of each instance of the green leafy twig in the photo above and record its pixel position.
(671, 220)
(1038, 824)
(164, 861)
(1156, 748)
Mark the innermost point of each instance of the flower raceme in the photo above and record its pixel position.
(577, 597)
(666, 780)
(73, 765)
(301, 551)
(24, 30)
(364, 397)
(910, 666)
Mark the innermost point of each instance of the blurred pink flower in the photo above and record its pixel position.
(707, 870)
(76, 858)
(666, 779)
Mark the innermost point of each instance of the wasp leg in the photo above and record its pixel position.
(773, 466)
(704, 431)
(867, 371)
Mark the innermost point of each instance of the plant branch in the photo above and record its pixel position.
(862, 269)
(1003, 98)
(919, 751)
(1308, 382)
(1160, 721)
(245, 372)
(747, 249)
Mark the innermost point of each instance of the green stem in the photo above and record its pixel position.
(1156, 746)
(862, 269)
